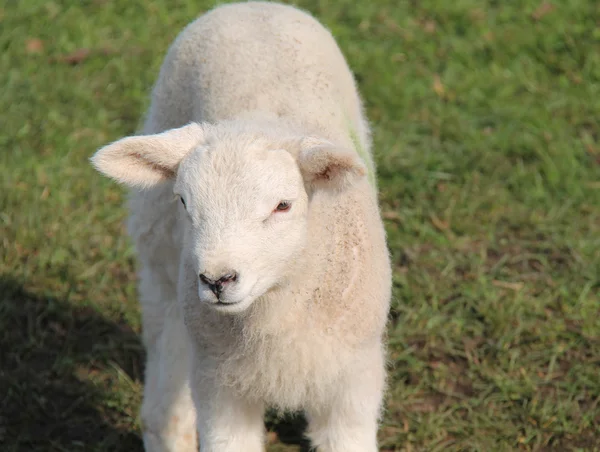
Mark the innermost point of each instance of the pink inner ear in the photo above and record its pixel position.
(333, 170)
(325, 174)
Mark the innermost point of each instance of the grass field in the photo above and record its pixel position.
(486, 118)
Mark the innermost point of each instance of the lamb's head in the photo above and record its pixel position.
(244, 200)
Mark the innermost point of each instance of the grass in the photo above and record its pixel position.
(487, 142)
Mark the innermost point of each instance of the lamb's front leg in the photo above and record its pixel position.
(226, 422)
(349, 421)
(168, 414)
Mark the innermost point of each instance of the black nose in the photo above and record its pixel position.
(216, 285)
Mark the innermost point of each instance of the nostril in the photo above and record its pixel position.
(206, 280)
(229, 277)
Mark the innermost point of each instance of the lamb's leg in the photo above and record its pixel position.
(349, 423)
(168, 414)
(226, 422)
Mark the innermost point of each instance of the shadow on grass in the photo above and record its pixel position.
(55, 391)
(290, 429)
(50, 352)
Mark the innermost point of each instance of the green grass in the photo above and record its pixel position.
(486, 118)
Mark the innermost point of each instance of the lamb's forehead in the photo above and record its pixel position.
(250, 163)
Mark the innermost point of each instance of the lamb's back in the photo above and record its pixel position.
(258, 56)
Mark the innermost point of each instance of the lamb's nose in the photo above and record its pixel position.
(217, 285)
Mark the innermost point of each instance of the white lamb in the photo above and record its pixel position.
(264, 273)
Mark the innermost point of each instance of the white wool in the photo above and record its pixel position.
(264, 273)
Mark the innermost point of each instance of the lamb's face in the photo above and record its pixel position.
(244, 208)
(244, 203)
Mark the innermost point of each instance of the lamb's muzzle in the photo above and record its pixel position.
(217, 285)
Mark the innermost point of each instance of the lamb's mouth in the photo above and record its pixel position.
(239, 303)
(231, 308)
(222, 303)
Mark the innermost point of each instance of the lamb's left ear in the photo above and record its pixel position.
(325, 165)
(145, 160)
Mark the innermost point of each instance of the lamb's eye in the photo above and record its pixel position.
(182, 202)
(283, 206)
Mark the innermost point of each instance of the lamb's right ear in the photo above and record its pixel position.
(325, 165)
(145, 160)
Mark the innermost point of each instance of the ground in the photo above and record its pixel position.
(485, 120)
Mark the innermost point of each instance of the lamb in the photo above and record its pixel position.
(264, 273)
